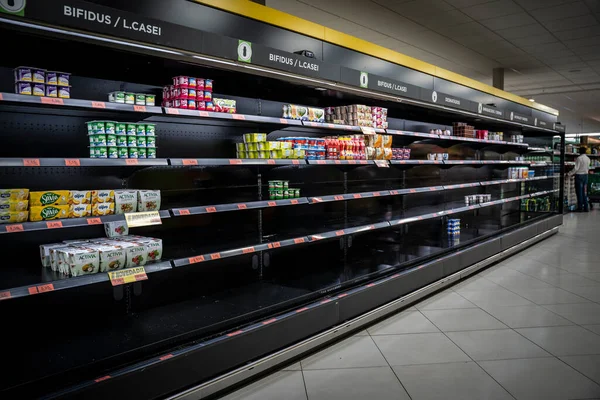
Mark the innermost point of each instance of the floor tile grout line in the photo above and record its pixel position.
(304, 382)
(390, 366)
(471, 358)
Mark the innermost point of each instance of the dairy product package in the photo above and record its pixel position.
(116, 228)
(80, 210)
(126, 201)
(136, 254)
(11, 217)
(13, 205)
(46, 213)
(111, 257)
(148, 200)
(45, 253)
(50, 197)
(14, 194)
(103, 196)
(81, 261)
(153, 248)
(80, 197)
(101, 209)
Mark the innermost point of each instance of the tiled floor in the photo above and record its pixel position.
(526, 328)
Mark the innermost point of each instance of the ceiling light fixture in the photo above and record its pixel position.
(531, 99)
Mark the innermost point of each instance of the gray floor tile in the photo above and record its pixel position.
(564, 340)
(551, 296)
(405, 322)
(582, 314)
(537, 269)
(362, 333)
(593, 328)
(595, 276)
(541, 378)
(280, 385)
(490, 298)
(444, 301)
(521, 282)
(500, 271)
(349, 384)
(293, 367)
(467, 319)
(356, 351)
(587, 365)
(589, 292)
(449, 381)
(496, 345)
(423, 348)
(527, 316)
(475, 283)
(569, 280)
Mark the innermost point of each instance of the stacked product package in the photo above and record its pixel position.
(477, 199)
(40, 82)
(303, 113)
(350, 147)
(14, 205)
(138, 99)
(84, 257)
(110, 139)
(463, 129)
(57, 204)
(255, 145)
(520, 173)
(192, 93)
(379, 147)
(280, 190)
(453, 227)
(357, 115)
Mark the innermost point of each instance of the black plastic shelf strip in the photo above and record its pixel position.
(82, 162)
(538, 149)
(89, 104)
(66, 223)
(348, 231)
(415, 162)
(324, 125)
(180, 262)
(543, 193)
(69, 283)
(233, 161)
(403, 221)
(232, 117)
(347, 196)
(452, 137)
(462, 185)
(238, 206)
(505, 181)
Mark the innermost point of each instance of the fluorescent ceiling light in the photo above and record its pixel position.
(531, 99)
(574, 135)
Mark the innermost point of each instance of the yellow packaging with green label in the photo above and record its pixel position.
(55, 197)
(46, 213)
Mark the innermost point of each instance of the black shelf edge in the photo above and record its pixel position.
(413, 134)
(190, 162)
(82, 162)
(252, 205)
(69, 283)
(77, 103)
(466, 162)
(66, 223)
(484, 141)
(347, 196)
(462, 185)
(416, 162)
(348, 231)
(232, 117)
(325, 125)
(202, 258)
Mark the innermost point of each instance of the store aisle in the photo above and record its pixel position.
(526, 328)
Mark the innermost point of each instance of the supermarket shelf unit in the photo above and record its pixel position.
(240, 269)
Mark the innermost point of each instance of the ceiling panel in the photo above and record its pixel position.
(465, 3)
(509, 21)
(535, 4)
(573, 34)
(570, 23)
(534, 40)
(572, 9)
(439, 22)
(582, 42)
(522, 31)
(492, 9)
(420, 7)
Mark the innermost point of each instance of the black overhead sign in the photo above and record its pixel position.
(559, 127)
(447, 100)
(109, 21)
(253, 53)
(490, 111)
(379, 83)
(520, 118)
(543, 124)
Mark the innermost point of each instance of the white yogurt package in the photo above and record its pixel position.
(126, 201)
(148, 200)
(81, 261)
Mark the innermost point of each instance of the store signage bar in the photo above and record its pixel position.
(520, 118)
(490, 111)
(379, 83)
(110, 21)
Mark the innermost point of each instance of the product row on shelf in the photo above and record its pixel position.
(191, 93)
(39, 82)
(111, 139)
(20, 205)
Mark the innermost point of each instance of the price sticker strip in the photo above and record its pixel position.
(128, 275)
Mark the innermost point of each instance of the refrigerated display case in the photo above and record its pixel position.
(243, 274)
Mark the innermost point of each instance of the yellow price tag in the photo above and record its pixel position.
(145, 218)
(367, 130)
(128, 275)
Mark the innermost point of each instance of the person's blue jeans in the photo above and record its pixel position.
(580, 185)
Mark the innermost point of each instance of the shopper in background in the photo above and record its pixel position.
(581, 171)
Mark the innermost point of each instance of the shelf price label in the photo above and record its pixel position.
(367, 130)
(54, 224)
(5, 295)
(98, 104)
(94, 221)
(146, 218)
(172, 111)
(72, 162)
(139, 108)
(128, 275)
(52, 100)
(382, 163)
(195, 260)
(14, 228)
(238, 116)
(189, 161)
(31, 162)
(131, 161)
